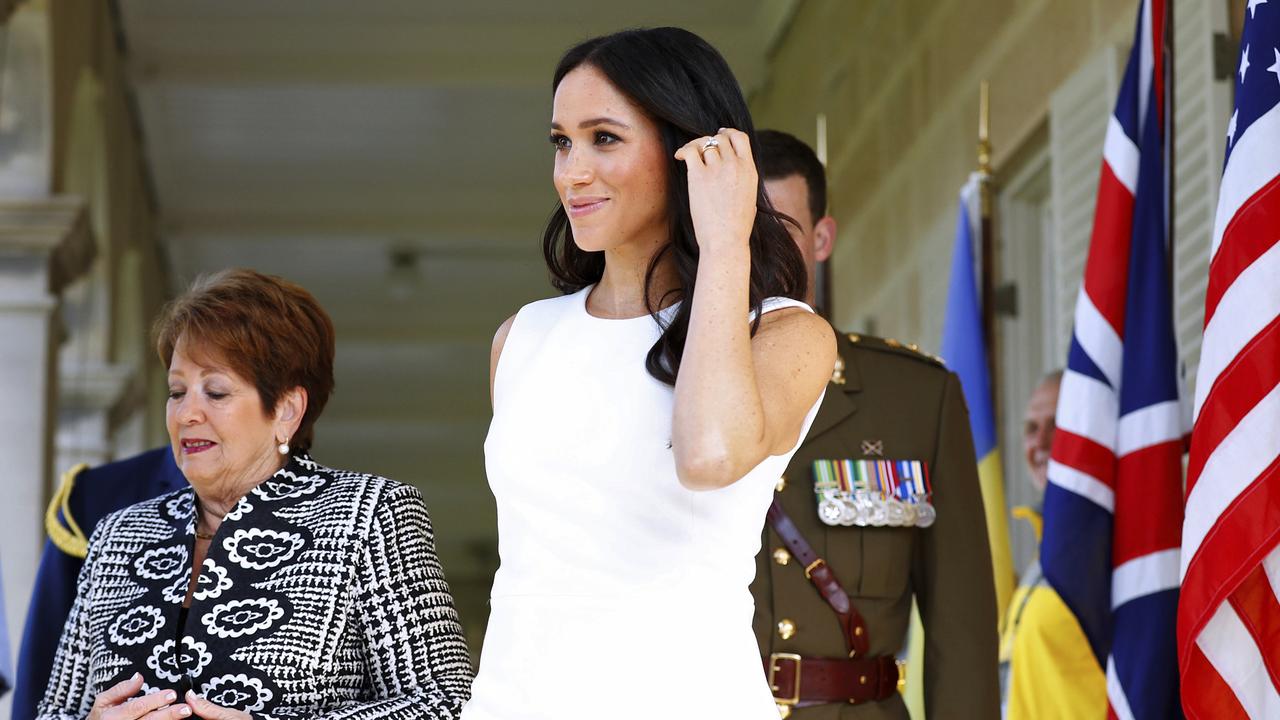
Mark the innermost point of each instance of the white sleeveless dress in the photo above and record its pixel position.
(621, 594)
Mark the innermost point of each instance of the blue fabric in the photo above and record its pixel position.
(963, 340)
(98, 492)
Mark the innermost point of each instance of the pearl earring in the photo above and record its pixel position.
(283, 448)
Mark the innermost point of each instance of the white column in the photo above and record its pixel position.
(95, 400)
(44, 244)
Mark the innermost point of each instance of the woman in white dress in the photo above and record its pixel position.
(643, 418)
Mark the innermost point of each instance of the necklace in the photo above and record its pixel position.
(199, 517)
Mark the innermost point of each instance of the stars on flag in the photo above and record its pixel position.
(1253, 6)
(1276, 67)
(1244, 63)
(1231, 128)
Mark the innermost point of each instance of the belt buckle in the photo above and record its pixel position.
(774, 658)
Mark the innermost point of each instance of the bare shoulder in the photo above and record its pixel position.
(495, 352)
(797, 328)
(500, 340)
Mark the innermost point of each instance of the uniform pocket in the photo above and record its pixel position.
(886, 562)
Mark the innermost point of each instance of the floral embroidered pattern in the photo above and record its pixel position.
(257, 549)
(170, 662)
(242, 507)
(176, 592)
(286, 485)
(237, 691)
(162, 563)
(213, 580)
(136, 626)
(181, 506)
(242, 617)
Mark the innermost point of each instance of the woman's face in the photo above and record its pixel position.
(221, 436)
(610, 166)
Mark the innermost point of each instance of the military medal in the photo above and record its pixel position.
(925, 514)
(827, 491)
(837, 490)
(905, 494)
(920, 493)
(830, 511)
(873, 493)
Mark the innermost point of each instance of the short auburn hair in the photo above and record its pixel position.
(268, 330)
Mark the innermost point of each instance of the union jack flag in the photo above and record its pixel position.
(1229, 617)
(1113, 507)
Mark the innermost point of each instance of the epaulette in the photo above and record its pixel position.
(68, 537)
(889, 345)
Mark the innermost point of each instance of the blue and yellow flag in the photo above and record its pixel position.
(965, 350)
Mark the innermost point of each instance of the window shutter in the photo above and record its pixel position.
(1201, 109)
(1078, 114)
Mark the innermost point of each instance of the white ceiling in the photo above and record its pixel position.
(311, 138)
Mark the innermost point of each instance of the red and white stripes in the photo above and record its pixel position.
(1229, 616)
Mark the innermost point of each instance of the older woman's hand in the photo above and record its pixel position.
(209, 711)
(118, 703)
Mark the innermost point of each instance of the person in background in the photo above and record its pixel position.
(829, 626)
(1047, 669)
(85, 496)
(270, 586)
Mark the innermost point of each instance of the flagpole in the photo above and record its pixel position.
(823, 294)
(987, 287)
(1170, 137)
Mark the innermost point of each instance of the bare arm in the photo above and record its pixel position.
(499, 340)
(738, 399)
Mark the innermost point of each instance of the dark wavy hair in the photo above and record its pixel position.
(688, 90)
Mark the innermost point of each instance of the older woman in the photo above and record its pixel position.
(272, 587)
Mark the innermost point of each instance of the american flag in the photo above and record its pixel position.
(1229, 617)
(1113, 507)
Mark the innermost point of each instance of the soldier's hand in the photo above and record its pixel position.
(117, 703)
(209, 711)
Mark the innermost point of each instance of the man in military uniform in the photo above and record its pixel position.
(880, 504)
(85, 497)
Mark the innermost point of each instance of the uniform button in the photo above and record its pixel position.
(786, 629)
(781, 556)
(782, 484)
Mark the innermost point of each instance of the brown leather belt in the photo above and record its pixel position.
(823, 579)
(800, 681)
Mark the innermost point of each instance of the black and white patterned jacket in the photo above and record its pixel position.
(321, 597)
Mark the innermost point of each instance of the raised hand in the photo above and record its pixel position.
(209, 711)
(117, 703)
(723, 184)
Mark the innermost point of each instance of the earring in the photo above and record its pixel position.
(284, 448)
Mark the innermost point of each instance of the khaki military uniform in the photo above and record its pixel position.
(890, 402)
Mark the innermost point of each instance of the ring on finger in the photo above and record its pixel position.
(708, 145)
